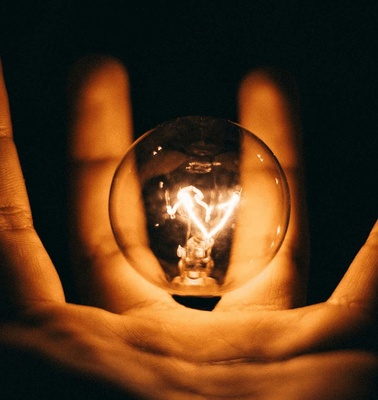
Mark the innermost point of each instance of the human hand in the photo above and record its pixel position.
(140, 340)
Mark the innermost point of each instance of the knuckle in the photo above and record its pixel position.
(14, 218)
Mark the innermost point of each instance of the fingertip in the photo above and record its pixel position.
(268, 103)
(94, 75)
(359, 286)
(99, 108)
(272, 83)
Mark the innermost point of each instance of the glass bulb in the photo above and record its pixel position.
(199, 206)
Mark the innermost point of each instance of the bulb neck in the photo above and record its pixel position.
(196, 262)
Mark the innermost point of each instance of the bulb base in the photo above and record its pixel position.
(203, 286)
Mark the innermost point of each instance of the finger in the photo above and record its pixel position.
(101, 132)
(268, 107)
(359, 286)
(26, 272)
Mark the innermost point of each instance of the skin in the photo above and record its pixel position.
(260, 342)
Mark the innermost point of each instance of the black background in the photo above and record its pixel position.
(187, 58)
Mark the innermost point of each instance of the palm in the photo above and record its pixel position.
(139, 338)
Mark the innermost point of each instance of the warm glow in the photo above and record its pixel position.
(189, 201)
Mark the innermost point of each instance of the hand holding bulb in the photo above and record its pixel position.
(134, 336)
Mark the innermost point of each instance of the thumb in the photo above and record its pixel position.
(359, 286)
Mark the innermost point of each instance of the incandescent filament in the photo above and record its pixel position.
(190, 196)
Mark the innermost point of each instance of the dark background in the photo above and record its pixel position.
(187, 58)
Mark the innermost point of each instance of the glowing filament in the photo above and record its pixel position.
(188, 202)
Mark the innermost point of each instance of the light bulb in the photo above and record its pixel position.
(199, 206)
